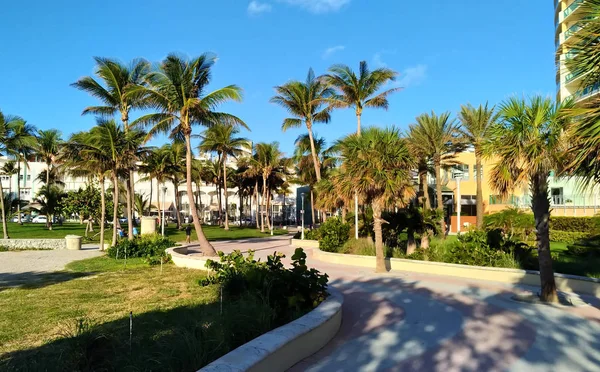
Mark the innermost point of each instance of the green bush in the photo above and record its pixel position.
(290, 292)
(149, 247)
(569, 237)
(588, 225)
(585, 247)
(333, 235)
(366, 247)
(313, 234)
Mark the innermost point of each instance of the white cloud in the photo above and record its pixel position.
(331, 51)
(377, 61)
(256, 7)
(318, 6)
(412, 76)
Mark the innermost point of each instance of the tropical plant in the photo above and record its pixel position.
(222, 139)
(530, 142)
(9, 169)
(377, 165)
(306, 102)
(21, 144)
(177, 90)
(437, 138)
(175, 167)
(49, 198)
(114, 89)
(48, 146)
(477, 124)
(141, 203)
(6, 124)
(155, 168)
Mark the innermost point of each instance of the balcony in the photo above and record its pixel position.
(588, 91)
(572, 76)
(572, 8)
(572, 30)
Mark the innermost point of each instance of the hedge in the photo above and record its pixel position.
(587, 225)
(569, 237)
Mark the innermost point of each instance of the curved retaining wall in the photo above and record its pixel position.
(287, 345)
(564, 282)
(181, 259)
(299, 243)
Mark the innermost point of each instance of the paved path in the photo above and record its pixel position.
(28, 267)
(413, 322)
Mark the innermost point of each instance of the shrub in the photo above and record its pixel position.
(589, 225)
(511, 222)
(569, 237)
(150, 247)
(333, 235)
(290, 292)
(313, 234)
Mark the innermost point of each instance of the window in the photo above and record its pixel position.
(20, 177)
(29, 177)
(5, 178)
(557, 195)
(463, 170)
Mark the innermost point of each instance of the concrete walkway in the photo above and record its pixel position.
(28, 267)
(413, 322)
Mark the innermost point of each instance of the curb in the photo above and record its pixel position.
(287, 345)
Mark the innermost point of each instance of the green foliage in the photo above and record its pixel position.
(512, 222)
(334, 233)
(152, 248)
(585, 247)
(289, 292)
(569, 237)
(314, 234)
(85, 203)
(588, 225)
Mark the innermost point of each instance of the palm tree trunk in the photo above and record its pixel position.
(115, 183)
(150, 204)
(4, 229)
(358, 115)
(425, 239)
(205, 245)
(220, 201)
(379, 252)
(438, 192)
(264, 200)
(132, 186)
(19, 191)
(158, 199)
(225, 188)
(313, 150)
(129, 204)
(256, 202)
(424, 189)
(312, 207)
(49, 221)
(411, 244)
(479, 192)
(177, 210)
(102, 212)
(541, 213)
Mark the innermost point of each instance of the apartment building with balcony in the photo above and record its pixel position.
(567, 15)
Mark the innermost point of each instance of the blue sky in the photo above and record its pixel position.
(448, 52)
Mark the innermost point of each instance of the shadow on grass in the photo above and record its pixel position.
(180, 339)
(36, 279)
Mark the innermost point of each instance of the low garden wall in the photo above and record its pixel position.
(23, 244)
(181, 259)
(285, 346)
(299, 243)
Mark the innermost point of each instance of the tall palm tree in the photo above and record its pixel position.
(530, 142)
(222, 139)
(155, 168)
(49, 198)
(423, 168)
(21, 145)
(177, 90)
(175, 172)
(272, 164)
(477, 124)
(306, 102)
(6, 124)
(9, 169)
(360, 92)
(113, 88)
(48, 145)
(437, 137)
(376, 164)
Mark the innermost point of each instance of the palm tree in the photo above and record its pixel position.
(114, 90)
(6, 124)
(48, 145)
(272, 164)
(437, 138)
(9, 169)
(530, 142)
(178, 91)
(141, 203)
(477, 124)
(175, 168)
(155, 168)
(221, 139)
(49, 198)
(306, 102)
(377, 165)
(423, 168)
(21, 144)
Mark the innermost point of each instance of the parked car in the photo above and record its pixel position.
(40, 219)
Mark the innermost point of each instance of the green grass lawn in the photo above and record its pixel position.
(81, 322)
(39, 231)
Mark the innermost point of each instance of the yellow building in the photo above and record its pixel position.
(568, 83)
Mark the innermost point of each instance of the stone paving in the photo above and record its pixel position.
(415, 322)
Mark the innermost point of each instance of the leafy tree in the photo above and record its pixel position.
(306, 102)
(376, 164)
(178, 92)
(477, 124)
(222, 139)
(530, 142)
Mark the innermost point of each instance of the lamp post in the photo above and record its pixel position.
(458, 176)
(164, 190)
(302, 215)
